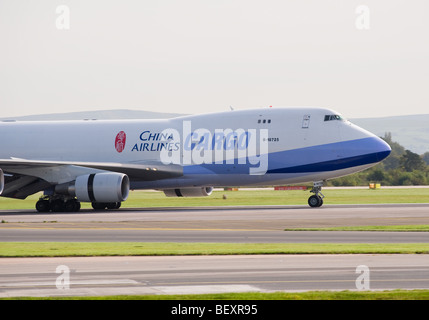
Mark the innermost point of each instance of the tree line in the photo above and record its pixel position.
(401, 168)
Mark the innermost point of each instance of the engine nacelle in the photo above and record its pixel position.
(189, 192)
(1, 181)
(102, 187)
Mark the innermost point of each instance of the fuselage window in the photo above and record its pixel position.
(330, 117)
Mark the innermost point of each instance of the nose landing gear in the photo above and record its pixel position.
(316, 200)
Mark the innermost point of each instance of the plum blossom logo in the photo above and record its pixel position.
(121, 139)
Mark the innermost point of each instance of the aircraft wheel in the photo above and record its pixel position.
(113, 205)
(315, 201)
(98, 205)
(77, 206)
(43, 206)
(58, 206)
(72, 206)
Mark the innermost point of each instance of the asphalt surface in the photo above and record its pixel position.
(215, 236)
(225, 224)
(212, 274)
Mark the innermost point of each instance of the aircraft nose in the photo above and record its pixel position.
(381, 148)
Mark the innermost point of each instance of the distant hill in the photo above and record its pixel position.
(411, 131)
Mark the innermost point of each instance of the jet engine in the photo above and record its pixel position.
(189, 192)
(106, 187)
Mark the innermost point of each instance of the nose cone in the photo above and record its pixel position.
(381, 149)
(362, 148)
(364, 144)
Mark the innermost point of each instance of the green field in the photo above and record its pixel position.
(138, 199)
(83, 249)
(308, 295)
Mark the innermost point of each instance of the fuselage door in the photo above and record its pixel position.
(306, 121)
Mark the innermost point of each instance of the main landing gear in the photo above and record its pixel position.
(316, 200)
(66, 204)
(57, 204)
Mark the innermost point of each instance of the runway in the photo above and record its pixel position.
(224, 224)
(213, 236)
(213, 274)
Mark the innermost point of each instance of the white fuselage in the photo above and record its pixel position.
(252, 147)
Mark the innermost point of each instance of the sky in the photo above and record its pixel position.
(362, 59)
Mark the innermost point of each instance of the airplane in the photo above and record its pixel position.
(100, 161)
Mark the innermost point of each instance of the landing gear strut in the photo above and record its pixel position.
(316, 200)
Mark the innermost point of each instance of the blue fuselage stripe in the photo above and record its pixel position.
(332, 165)
(327, 157)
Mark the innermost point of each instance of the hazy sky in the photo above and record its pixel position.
(196, 56)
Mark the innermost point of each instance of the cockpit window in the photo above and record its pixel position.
(330, 117)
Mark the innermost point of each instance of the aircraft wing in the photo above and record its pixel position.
(24, 177)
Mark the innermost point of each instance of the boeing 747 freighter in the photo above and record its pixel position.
(100, 161)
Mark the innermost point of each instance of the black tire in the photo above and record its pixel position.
(113, 205)
(315, 201)
(57, 206)
(99, 205)
(43, 206)
(72, 206)
(77, 206)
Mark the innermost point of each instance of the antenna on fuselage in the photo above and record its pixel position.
(232, 109)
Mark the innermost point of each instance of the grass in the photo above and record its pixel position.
(253, 197)
(308, 295)
(271, 197)
(85, 249)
